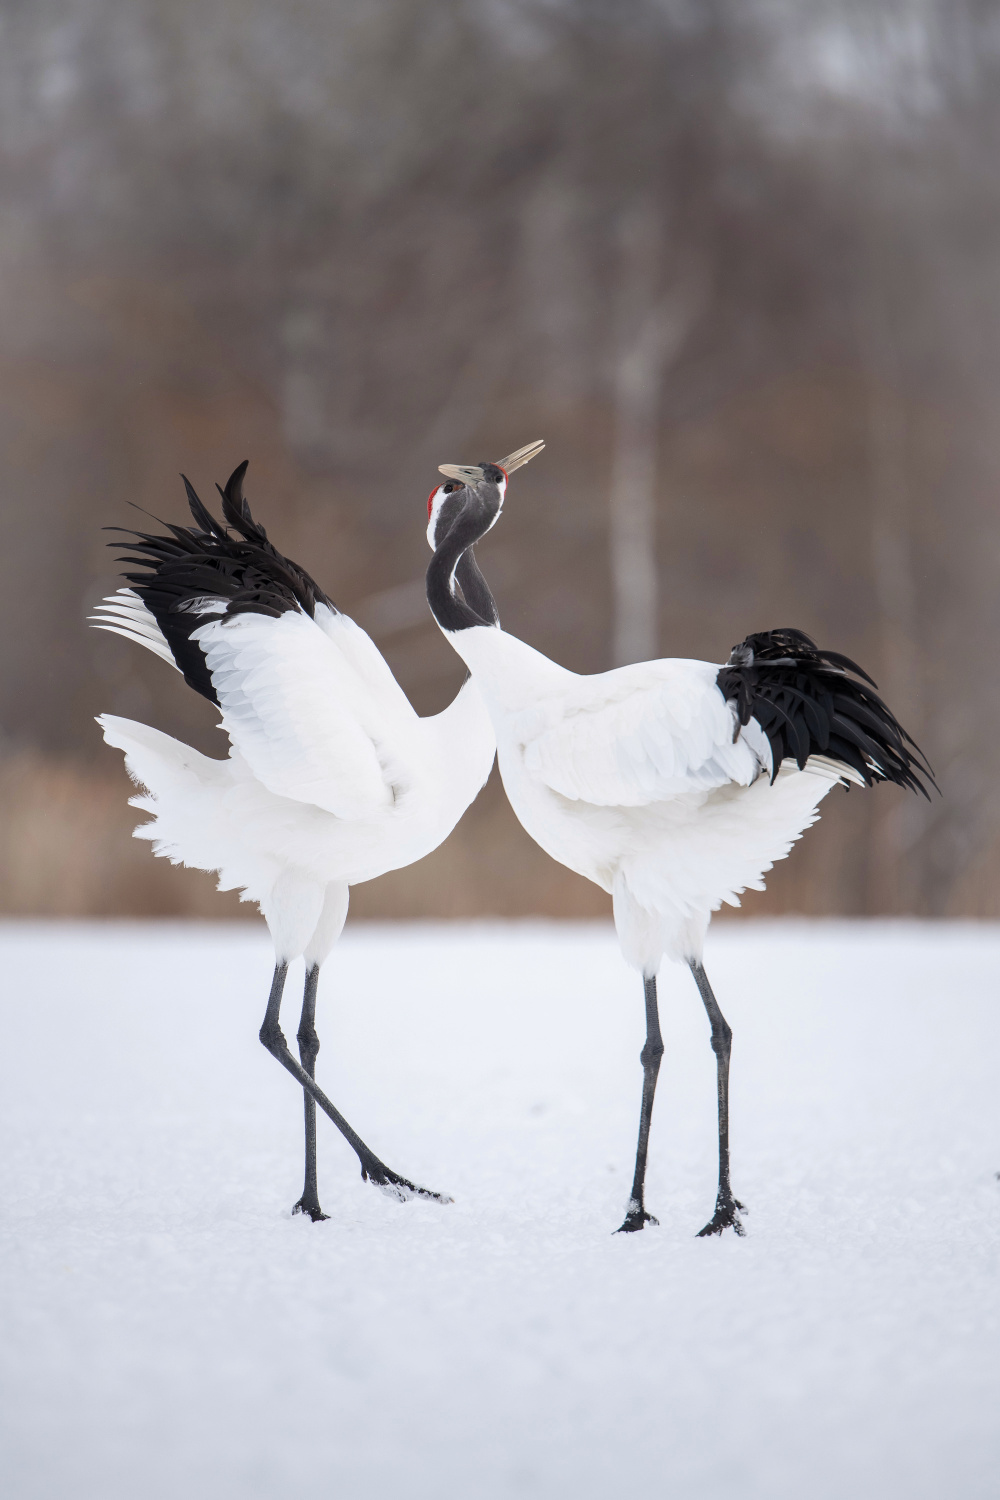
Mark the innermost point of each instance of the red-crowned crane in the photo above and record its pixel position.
(674, 785)
(332, 778)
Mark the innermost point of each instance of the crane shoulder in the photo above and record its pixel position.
(637, 735)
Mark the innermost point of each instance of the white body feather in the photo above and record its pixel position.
(332, 778)
(633, 779)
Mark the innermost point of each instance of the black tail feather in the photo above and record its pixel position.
(808, 702)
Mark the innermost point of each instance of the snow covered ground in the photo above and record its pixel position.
(170, 1332)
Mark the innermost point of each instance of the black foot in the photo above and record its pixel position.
(636, 1218)
(312, 1209)
(398, 1187)
(726, 1216)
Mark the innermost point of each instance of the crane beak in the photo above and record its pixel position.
(473, 473)
(464, 473)
(520, 457)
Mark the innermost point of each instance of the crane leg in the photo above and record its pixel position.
(308, 1048)
(372, 1169)
(636, 1215)
(727, 1207)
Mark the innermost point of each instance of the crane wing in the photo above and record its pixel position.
(123, 613)
(296, 710)
(306, 697)
(361, 653)
(641, 734)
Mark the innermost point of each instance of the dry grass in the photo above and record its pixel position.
(67, 852)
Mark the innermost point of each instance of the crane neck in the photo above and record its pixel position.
(454, 565)
(476, 590)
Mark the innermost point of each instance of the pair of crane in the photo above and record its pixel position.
(674, 785)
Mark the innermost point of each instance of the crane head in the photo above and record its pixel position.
(487, 480)
(476, 473)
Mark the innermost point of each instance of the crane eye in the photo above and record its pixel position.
(442, 489)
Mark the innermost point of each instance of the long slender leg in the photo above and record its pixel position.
(650, 1055)
(308, 1049)
(372, 1169)
(726, 1206)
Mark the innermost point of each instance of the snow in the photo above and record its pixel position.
(169, 1330)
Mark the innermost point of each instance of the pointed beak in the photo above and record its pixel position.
(464, 473)
(520, 457)
(473, 473)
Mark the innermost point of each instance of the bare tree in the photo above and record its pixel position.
(895, 824)
(653, 327)
(348, 245)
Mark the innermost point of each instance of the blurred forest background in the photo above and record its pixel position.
(735, 260)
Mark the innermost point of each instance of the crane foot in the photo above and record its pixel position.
(635, 1219)
(726, 1216)
(312, 1209)
(395, 1186)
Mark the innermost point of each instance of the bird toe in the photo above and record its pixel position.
(636, 1218)
(726, 1216)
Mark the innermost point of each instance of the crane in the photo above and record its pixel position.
(674, 785)
(332, 778)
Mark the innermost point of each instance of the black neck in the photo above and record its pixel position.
(454, 561)
(475, 588)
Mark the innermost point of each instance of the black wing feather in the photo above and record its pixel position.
(202, 516)
(809, 702)
(207, 561)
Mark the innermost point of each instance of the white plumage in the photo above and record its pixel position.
(123, 613)
(332, 778)
(653, 782)
(633, 779)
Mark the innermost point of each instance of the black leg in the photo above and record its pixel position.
(308, 1049)
(372, 1169)
(650, 1056)
(726, 1206)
